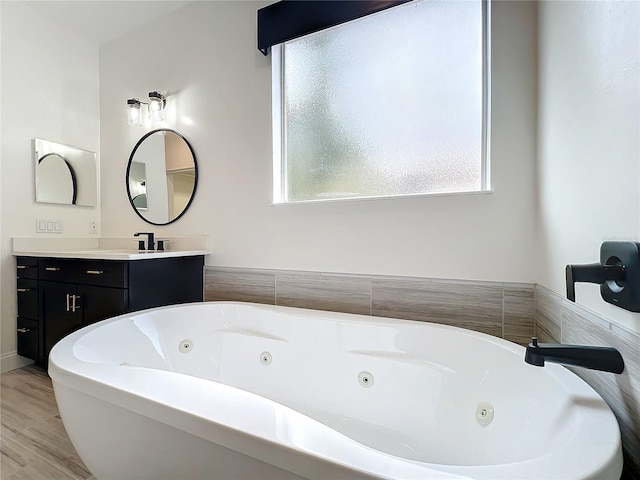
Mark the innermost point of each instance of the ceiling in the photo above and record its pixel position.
(103, 21)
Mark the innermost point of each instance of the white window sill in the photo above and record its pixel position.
(384, 198)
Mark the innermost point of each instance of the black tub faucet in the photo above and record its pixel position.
(605, 359)
(592, 273)
(151, 244)
(617, 273)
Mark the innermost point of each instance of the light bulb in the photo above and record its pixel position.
(156, 105)
(134, 114)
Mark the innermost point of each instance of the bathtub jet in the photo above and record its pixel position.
(243, 391)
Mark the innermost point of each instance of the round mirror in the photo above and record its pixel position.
(162, 176)
(55, 180)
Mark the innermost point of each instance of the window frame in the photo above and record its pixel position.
(279, 128)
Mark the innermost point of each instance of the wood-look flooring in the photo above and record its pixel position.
(33, 442)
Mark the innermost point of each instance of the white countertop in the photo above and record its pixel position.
(98, 254)
(107, 248)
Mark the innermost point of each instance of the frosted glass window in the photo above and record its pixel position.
(390, 104)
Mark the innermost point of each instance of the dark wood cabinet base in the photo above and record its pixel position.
(57, 296)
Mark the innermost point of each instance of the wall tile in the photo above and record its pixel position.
(518, 314)
(336, 293)
(239, 285)
(494, 308)
(473, 306)
(548, 314)
(621, 392)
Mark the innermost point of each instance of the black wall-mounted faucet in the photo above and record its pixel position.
(151, 244)
(618, 274)
(605, 359)
(592, 273)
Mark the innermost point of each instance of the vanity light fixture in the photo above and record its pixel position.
(157, 102)
(134, 114)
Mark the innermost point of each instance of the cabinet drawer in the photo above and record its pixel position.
(101, 273)
(28, 338)
(27, 298)
(27, 267)
(57, 269)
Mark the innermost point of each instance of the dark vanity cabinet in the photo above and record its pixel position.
(57, 296)
(75, 293)
(28, 324)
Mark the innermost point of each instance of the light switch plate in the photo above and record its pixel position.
(44, 225)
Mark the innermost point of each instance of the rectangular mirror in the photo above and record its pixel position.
(65, 175)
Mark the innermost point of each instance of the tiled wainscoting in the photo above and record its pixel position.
(559, 320)
(501, 309)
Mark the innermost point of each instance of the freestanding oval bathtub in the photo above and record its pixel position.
(244, 391)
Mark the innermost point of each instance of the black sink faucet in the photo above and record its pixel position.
(606, 359)
(151, 244)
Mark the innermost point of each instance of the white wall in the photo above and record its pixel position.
(589, 139)
(49, 79)
(205, 57)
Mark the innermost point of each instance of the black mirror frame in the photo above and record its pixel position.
(195, 166)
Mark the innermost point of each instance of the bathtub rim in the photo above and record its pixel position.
(66, 369)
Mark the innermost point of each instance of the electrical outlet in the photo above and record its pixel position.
(93, 227)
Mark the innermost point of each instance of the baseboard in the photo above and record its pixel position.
(11, 361)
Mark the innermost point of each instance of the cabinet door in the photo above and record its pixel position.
(165, 281)
(99, 303)
(58, 315)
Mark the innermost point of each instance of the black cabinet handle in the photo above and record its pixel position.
(95, 272)
(23, 290)
(52, 269)
(24, 330)
(23, 267)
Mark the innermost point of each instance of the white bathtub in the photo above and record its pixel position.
(244, 391)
